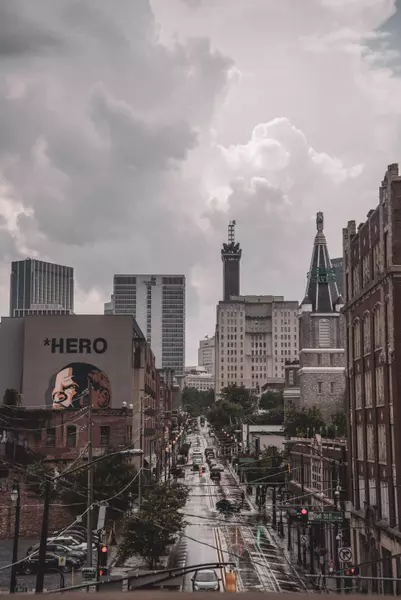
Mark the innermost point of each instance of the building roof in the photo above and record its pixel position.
(322, 292)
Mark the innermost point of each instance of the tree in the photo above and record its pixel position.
(240, 395)
(272, 400)
(110, 476)
(273, 417)
(155, 528)
(339, 424)
(304, 421)
(225, 414)
(195, 402)
(269, 469)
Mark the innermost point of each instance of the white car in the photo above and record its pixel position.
(70, 541)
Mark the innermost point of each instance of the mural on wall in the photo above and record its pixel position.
(68, 388)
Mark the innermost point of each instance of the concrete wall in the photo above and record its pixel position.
(44, 345)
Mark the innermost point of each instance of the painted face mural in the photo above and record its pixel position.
(68, 387)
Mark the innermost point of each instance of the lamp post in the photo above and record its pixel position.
(16, 500)
(46, 505)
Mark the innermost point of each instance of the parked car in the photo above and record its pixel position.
(68, 540)
(205, 581)
(30, 565)
(60, 550)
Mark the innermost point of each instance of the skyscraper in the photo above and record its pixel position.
(231, 257)
(158, 304)
(321, 333)
(38, 287)
(206, 354)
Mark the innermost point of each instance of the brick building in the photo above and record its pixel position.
(321, 334)
(318, 481)
(372, 260)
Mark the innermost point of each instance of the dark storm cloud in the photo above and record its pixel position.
(22, 36)
(96, 140)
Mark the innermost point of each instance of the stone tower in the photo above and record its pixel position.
(231, 256)
(321, 334)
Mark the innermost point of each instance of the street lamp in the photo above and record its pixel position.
(46, 505)
(16, 500)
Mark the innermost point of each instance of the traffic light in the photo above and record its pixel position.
(200, 471)
(303, 515)
(352, 572)
(103, 556)
(103, 571)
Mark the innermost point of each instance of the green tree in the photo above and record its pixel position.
(110, 476)
(155, 528)
(272, 400)
(239, 395)
(303, 422)
(195, 402)
(268, 469)
(273, 417)
(225, 415)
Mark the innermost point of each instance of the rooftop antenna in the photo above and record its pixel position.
(231, 232)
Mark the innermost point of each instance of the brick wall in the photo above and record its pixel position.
(31, 514)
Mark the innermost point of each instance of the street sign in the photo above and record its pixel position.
(326, 516)
(62, 561)
(20, 589)
(304, 539)
(89, 573)
(345, 554)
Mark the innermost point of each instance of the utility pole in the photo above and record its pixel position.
(40, 577)
(90, 480)
(13, 579)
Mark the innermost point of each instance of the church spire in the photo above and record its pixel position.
(322, 295)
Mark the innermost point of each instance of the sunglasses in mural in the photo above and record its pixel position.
(69, 387)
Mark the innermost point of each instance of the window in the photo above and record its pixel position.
(320, 387)
(71, 436)
(382, 442)
(51, 436)
(356, 282)
(357, 339)
(324, 333)
(376, 260)
(370, 442)
(377, 326)
(332, 388)
(104, 435)
(368, 389)
(366, 333)
(365, 270)
(359, 442)
(379, 386)
(358, 391)
(384, 500)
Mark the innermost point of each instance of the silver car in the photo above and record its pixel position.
(205, 581)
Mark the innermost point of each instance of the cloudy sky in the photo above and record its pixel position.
(132, 131)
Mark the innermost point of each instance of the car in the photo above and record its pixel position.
(31, 564)
(205, 580)
(60, 550)
(220, 467)
(68, 540)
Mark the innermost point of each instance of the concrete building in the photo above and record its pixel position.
(321, 332)
(372, 260)
(157, 302)
(199, 378)
(292, 390)
(231, 256)
(207, 354)
(254, 337)
(38, 287)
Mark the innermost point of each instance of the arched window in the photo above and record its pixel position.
(357, 339)
(324, 333)
(366, 333)
(377, 326)
(71, 436)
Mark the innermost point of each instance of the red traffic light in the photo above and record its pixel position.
(304, 511)
(104, 548)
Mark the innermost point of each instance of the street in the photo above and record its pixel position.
(260, 560)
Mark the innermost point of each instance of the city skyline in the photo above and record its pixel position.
(246, 139)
